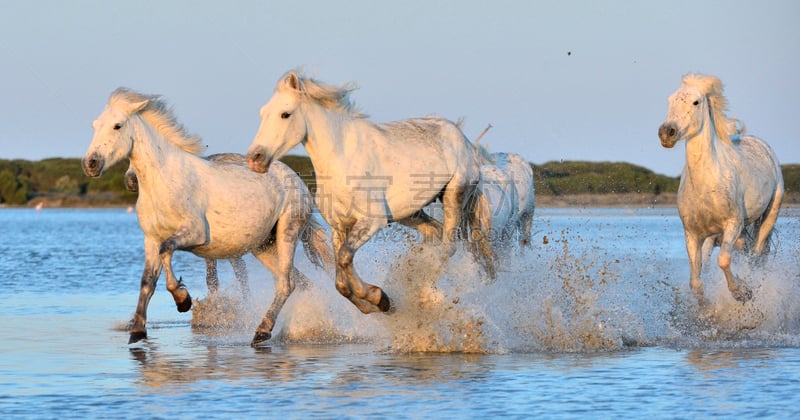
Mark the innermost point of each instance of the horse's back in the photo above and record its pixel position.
(759, 157)
(419, 136)
(243, 207)
(399, 167)
(521, 174)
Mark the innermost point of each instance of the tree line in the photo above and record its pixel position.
(62, 179)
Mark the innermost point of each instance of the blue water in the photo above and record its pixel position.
(596, 320)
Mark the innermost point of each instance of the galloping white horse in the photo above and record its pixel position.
(212, 278)
(507, 195)
(370, 174)
(213, 209)
(731, 183)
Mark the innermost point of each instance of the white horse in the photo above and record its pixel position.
(237, 263)
(370, 174)
(212, 209)
(731, 184)
(507, 195)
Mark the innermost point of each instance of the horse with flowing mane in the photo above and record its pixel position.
(214, 209)
(731, 186)
(370, 174)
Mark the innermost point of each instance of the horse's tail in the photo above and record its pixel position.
(316, 245)
(477, 223)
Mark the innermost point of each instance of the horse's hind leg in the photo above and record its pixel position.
(524, 225)
(426, 225)
(240, 272)
(453, 205)
(278, 257)
(212, 279)
(764, 229)
(367, 297)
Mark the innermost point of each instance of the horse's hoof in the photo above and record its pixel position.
(260, 337)
(385, 304)
(137, 336)
(185, 305)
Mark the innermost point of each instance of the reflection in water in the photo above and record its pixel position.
(334, 367)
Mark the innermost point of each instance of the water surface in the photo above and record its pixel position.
(595, 319)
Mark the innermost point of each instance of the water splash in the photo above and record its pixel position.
(582, 287)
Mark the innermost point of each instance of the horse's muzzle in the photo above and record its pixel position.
(668, 134)
(93, 165)
(257, 161)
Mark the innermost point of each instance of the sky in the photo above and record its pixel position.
(560, 80)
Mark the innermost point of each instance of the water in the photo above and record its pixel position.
(596, 319)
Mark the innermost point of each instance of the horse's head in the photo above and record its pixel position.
(113, 137)
(690, 107)
(282, 125)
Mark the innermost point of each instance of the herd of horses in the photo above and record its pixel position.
(369, 175)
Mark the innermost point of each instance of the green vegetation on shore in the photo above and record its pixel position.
(61, 181)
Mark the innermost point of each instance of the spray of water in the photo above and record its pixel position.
(566, 293)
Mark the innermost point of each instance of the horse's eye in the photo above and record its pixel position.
(695, 103)
(117, 126)
(286, 115)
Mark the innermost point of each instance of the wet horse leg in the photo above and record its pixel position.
(152, 270)
(366, 297)
(278, 257)
(694, 251)
(764, 229)
(175, 286)
(737, 288)
(426, 225)
(452, 205)
(524, 225)
(183, 238)
(240, 272)
(212, 279)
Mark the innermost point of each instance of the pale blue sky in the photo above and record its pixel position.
(507, 63)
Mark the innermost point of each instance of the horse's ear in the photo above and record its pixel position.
(135, 107)
(291, 81)
(715, 86)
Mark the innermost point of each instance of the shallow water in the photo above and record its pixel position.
(596, 319)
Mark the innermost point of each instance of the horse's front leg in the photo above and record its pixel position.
(737, 287)
(183, 238)
(694, 250)
(152, 269)
(367, 297)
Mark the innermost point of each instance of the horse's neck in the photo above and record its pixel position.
(326, 141)
(705, 155)
(151, 156)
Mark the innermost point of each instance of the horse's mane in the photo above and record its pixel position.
(160, 116)
(331, 97)
(712, 88)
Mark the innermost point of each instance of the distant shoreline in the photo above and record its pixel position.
(623, 200)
